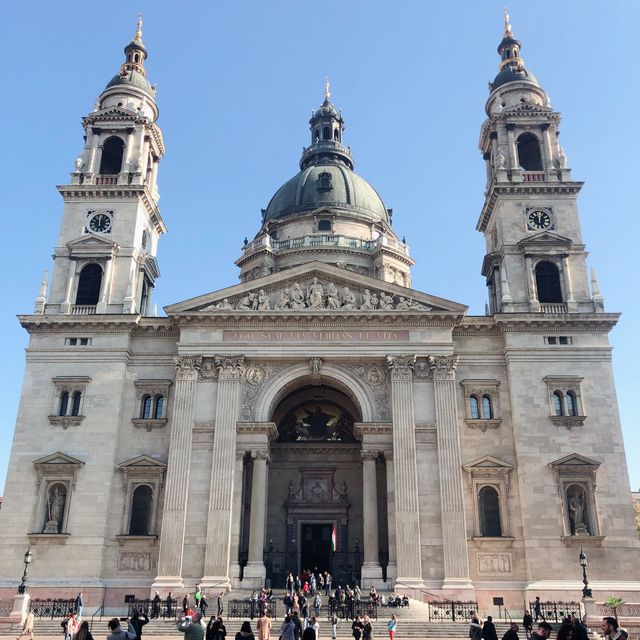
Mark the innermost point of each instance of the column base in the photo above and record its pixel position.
(392, 573)
(215, 582)
(410, 582)
(371, 574)
(458, 589)
(166, 583)
(20, 608)
(254, 575)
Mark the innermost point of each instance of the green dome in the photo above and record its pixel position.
(130, 77)
(341, 190)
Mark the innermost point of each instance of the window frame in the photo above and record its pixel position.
(479, 389)
(70, 385)
(153, 389)
(560, 387)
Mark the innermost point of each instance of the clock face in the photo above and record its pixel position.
(100, 223)
(538, 219)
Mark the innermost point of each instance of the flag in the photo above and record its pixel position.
(334, 538)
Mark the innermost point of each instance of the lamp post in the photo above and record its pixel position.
(28, 556)
(586, 592)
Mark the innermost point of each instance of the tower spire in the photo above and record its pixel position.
(507, 22)
(137, 39)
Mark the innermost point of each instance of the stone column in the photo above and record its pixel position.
(234, 571)
(371, 569)
(513, 151)
(217, 549)
(255, 570)
(65, 307)
(405, 473)
(454, 531)
(566, 272)
(531, 280)
(101, 307)
(178, 465)
(392, 567)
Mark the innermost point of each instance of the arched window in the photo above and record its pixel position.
(75, 405)
(141, 510)
(529, 156)
(145, 409)
(112, 152)
(474, 408)
(326, 133)
(489, 512)
(64, 403)
(158, 407)
(572, 406)
(558, 409)
(487, 412)
(548, 282)
(89, 284)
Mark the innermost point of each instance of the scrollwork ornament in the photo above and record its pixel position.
(368, 454)
(401, 366)
(261, 454)
(229, 367)
(187, 367)
(422, 369)
(208, 371)
(443, 367)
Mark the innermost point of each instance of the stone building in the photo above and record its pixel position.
(322, 413)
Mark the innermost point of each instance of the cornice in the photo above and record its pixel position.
(522, 188)
(106, 192)
(541, 323)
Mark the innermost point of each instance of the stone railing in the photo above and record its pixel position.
(553, 307)
(106, 179)
(83, 309)
(627, 610)
(534, 176)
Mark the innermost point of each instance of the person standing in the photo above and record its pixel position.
(192, 629)
(327, 584)
(27, 628)
(527, 623)
(475, 628)
(367, 629)
(543, 632)
(512, 633)
(537, 609)
(334, 625)
(356, 628)
(246, 632)
(264, 627)
(79, 604)
(287, 629)
(220, 604)
(317, 604)
(315, 625)
(155, 606)
(185, 604)
(610, 629)
(70, 626)
(203, 605)
(391, 627)
(83, 632)
(489, 630)
(137, 623)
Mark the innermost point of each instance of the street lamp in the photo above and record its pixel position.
(586, 592)
(28, 556)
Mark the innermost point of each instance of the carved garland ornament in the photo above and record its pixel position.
(375, 377)
(255, 375)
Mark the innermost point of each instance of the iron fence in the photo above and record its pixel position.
(554, 611)
(350, 609)
(453, 611)
(52, 608)
(163, 611)
(251, 609)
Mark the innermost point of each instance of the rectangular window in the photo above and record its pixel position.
(558, 340)
(75, 342)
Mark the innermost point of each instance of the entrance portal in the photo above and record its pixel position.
(315, 547)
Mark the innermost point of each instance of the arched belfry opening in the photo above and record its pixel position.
(315, 484)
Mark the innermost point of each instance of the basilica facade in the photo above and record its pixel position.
(322, 413)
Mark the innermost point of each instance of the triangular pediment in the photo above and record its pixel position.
(316, 287)
(111, 112)
(142, 461)
(528, 108)
(546, 238)
(90, 240)
(487, 462)
(58, 458)
(574, 460)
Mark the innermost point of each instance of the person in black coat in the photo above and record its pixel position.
(512, 634)
(138, 622)
(489, 630)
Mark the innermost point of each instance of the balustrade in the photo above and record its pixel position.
(83, 309)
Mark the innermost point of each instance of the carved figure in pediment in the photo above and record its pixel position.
(386, 301)
(225, 304)
(367, 304)
(333, 301)
(348, 299)
(245, 303)
(297, 297)
(403, 304)
(263, 301)
(284, 302)
(315, 295)
(374, 300)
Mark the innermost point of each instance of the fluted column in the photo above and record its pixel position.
(236, 515)
(255, 569)
(405, 472)
(217, 548)
(177, 486)
(454, 531)
(371, 569)
(392, 567)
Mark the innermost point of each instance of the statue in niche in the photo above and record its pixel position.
(333, 301)
(297, 297)
(79, 163)
(500, 160)
(577, 507)
(315, 295)
(56, 499)
(562, 158)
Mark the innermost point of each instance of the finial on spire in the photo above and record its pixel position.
(507, 22)
(327, 93)
(138, 37)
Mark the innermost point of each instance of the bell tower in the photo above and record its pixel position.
(535, 256)
(105, 256)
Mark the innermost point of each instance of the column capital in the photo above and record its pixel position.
(187, 367)
(261, 454)
(401, 366)
(229, 367)
(369, 454)
(388, 455)
(443, 367)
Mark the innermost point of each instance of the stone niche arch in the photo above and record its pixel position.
(289, 380)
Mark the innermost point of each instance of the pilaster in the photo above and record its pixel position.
(178, 466)
(371, 569)
(406, 473)
(392, 567)
(454, 531)
(217, 549)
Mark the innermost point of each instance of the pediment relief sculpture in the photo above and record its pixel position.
(316, 295)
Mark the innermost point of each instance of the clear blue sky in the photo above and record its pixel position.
(236, 84)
